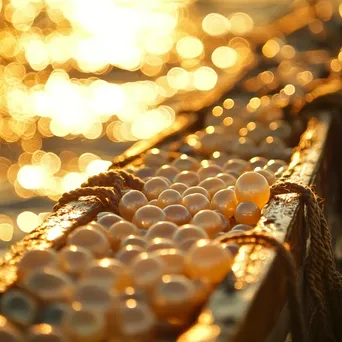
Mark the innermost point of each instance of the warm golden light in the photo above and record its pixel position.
(215, 24)
(224, 57)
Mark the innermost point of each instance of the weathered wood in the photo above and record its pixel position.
(51, 233)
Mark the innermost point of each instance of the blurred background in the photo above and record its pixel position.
(81, 80)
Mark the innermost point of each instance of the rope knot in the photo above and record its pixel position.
(288, 187)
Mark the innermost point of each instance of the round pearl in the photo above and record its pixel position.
(227, 178)
(189, 232)
(189, 178)
(137, 321)
(154, 187)
(159, 243)
(209, 221)
(145, 172)
(168, 171)
(202, 290)
(162, 229)
(236, 165)
(108, 220)
(196, 190)
(269, 175)
(186, 163)
(55, 313)
(74, 259)
(247, 213)
(91, 239)
(36, 259)
(92, 297)
(177, 214)
(210, 170)
(8, 332)
(257, 162)
(119, 231)
(195, 202)
(173, 296)
(148, 215)
(252, 187)
(147, 270)
(210, 143)
(153, 202)
(208, 261)
(49, 285)
(108, 273)
(101, 214)
(186, 245)
(275, 164)
(85, 326)
(212, 185)
(155, 157)
(168, 197)
(127, 253)
(45, 333)
(135, 240)
(232, 248)
(225, 222)
(180, 187)
(130, 203)
(219, 158)
(19, 307)
(173, 258)
(242, 227)
(225, 201)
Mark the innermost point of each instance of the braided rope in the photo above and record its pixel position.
(265, 240)
(324, 281)
(107, 187)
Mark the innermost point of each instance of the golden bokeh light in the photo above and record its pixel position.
(224, 57)
(215, 24)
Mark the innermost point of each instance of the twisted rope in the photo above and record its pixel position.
(107, 187)
(265, 240)
(323, 279)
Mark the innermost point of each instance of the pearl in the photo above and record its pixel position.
(137, 321)
(101, 214)
(189, 178)
(210, 170)
(154, 202)
(8, 332)
(163, 229)
(225, 222)
(130, 203)
(154, 187)
(135, 240)
(186, 163)
(91, 296)
(209, 221)
(247, 213)
(275, 164)
(212, 185)
(119, 231)
(252, 187)
(36, 259)
(236, 165)
(148, 215)
(83, 325)
(155, 157)
(108, 273)
(159, 243)
(145, 172)
(168, 171)
(227, 178)
(109, 219)
(91, 239)
(173, 296)
(195, 202)
(147, 270)
(177, 214)
(209, 261)
(269, 175)
(168, 197)
(48, 284)
(128, 253)
(19, 307)
(173, 258)
(232, 248)
(210, 143)
(219, 158)
(225, 201)
(180, 187)
(257, 162)
(45, 333)
(242, 227)
(74, 259)
(189, 232)
(196, 190)
(55, 313)
(202, 290)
